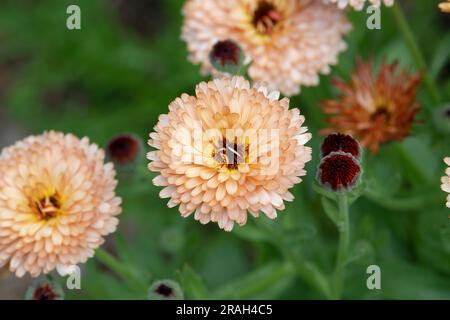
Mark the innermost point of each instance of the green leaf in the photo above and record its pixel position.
(192, 284)
(362, 250)
(256, 282)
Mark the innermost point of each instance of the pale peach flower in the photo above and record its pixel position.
(445, 6)
(359, 4)
(57, 202)
(290, 42)
(446, 181)
(229, 150)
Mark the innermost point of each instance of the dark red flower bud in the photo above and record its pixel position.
(339, 171)
(124, 149)
(227, 56)
(340, 142)
(44, 289)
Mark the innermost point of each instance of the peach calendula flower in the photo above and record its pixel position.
(229, 150)
(290, 42)
(57, 202)
(359, 4)
(374, 109)
(445, 6)
(446, 181)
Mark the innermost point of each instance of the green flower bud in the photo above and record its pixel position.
(165, 290)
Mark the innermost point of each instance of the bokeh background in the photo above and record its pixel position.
(122, 70)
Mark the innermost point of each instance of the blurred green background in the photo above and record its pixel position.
(123, 68)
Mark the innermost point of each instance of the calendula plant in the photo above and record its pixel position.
(257, 149)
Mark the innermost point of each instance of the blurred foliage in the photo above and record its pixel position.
(128, 63)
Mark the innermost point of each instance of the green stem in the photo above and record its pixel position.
(418, 57)
(344, 241)
(117, 267)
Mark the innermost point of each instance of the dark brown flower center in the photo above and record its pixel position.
(230, 153)
(45, 292)
(381, 112)
(48, 206)
(266, 17)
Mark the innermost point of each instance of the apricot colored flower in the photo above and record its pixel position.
(446, 181)
(290, 42)
(228, 150)
(359, 4)
(374, 109)
(445, 6)
(57, 202)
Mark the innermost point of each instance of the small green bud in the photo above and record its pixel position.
(165, 290)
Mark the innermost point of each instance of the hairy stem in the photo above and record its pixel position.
(344, 238)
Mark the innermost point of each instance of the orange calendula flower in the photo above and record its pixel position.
(445, 6)
(228, 150)
(374, 109)
(446, 181)
(57, 202)
(290, 42)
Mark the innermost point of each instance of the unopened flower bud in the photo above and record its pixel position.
(45, 289)
(124, 149)
(165, 290)
(340, 142)
(339, 171)
(227, 56)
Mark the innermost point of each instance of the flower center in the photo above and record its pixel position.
(48, 206)
(266, 17)
(381, 112)
(230, 153)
